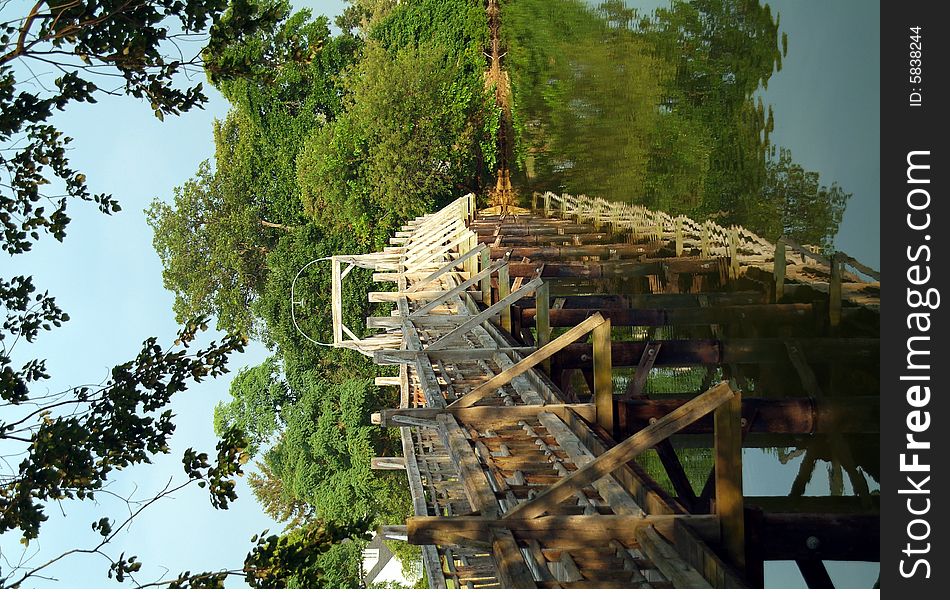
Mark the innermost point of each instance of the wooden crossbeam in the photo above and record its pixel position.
(636, 385)
(446, 268)
(482, 416)
(483, 316)
(530, 361)
(559, 531)
(449, 294)
(625, 451)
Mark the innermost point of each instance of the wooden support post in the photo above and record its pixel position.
(542, 320)
(504, 289)
(484, 263)
(729, 501)
(834, 293)
(733, 253)
(624, 452)
(778, 270)
(603, 377)
(336, 306)
(679, 235)
(814, 573)
(704, 241)
(528, 362)
(547, 204)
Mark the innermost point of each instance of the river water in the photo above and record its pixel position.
(762, 115)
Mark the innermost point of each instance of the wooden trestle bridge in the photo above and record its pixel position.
(519, 435)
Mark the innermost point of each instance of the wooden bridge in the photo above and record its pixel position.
(520, 436)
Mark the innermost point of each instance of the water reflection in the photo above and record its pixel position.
(659, 109)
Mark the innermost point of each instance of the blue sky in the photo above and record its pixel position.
(107, 277)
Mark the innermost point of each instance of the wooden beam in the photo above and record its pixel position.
(446, 268)
(778, 270)
(388, 463)
(625, 451)
(542, 299)
(483, 316)
(814, 573)
(528, 362)
(483, 417)
(449, 294)
(512, 570)
(638, 383)
(668, 561)
(620, 501)
(504, 290)
(603, 376)
(727, 440)
(560, 531)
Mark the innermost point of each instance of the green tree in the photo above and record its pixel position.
(257, 395)
(806, 211)
(213, 248)
(323, 456)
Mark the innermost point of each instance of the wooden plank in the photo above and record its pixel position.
(618, 498)
(625, 451)
(668, 561)
(483, 417)
(430, 559)
(504, 290)
(727, 439)
(455, 291)
(483, 316)
(638, 383)
(694, 550)
(564, 532)
(528, 362)
(778, 270)
(512, 570)
(603, 376)
(446, 268)
(473, 478)
(484, 263)
(388, 463)
(542, 299)
(336, 302)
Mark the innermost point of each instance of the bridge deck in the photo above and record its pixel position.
(516, 483)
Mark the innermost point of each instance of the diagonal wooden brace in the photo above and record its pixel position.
(624, 452)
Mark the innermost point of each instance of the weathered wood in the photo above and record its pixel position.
(668, 560)
(484, 417)
(603, 376)
(695, 551)
(528, 362)
(483, 316)
(388, 463)
(543, 321)
(565, 532)
(619, 499)
(801, 314)
(625, 451)
(477, 250)
(504, 290)
(728, 455)
(473, 478)
(778, 271)
(455, 291)
(512, 570)
(638, 382)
